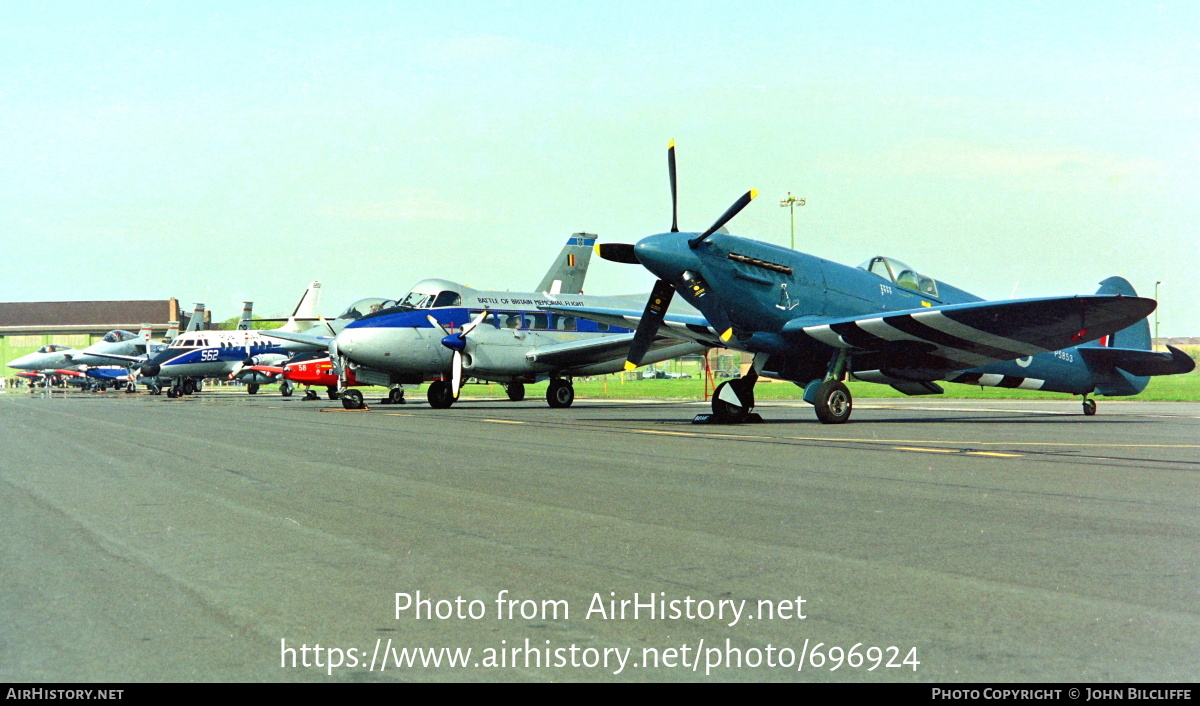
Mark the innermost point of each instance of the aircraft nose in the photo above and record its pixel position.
(150, 370)
(20, 363)
(347, 340)
(665, 254)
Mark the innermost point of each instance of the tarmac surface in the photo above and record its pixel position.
(222, 537)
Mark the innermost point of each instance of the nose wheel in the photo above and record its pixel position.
(352, 399)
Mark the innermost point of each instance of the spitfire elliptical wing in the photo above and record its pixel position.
(963, 336)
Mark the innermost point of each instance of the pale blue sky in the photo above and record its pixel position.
(226, 151)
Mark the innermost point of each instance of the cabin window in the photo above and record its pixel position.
(565, 323)
(537, 321)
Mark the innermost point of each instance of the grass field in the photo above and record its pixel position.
(1172, 388)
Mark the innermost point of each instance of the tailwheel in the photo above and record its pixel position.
(440, 395)
(352, 399)
(515, 390)
(833, 403)
(1089, 406)
(560, 393)
(732, 402)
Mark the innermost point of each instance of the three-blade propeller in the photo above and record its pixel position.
(660, 296)
(457, 342)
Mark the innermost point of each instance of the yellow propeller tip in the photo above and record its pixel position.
(671, 144)
(753, 194)
(728, 334)
(630, 365)
(596, 247)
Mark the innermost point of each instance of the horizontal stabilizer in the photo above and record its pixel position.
(1139, 362)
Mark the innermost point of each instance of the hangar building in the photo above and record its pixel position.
(27, 326)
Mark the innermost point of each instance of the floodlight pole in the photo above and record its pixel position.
(790, 203)
(1155, 345)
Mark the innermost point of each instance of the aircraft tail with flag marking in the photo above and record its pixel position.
(570, 268)
(1124, 362)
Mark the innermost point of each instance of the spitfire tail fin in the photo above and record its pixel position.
(1123, 363)
(570, 268)
(1136, 336)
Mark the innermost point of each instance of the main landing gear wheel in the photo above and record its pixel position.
(833, 403)
(331, 392)
(395, 396)
(515, 390)
(560, 394)
(726, 411)
(189, 387)
(352, 399)
(1089, 407)
(440, 395)
(286, 389)
(173, 392)
(252, 388)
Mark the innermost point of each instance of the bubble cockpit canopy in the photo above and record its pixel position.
(901, 275)
(117, 336)
(364, 307)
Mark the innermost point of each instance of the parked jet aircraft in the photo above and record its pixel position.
(117, 346)
(196, 355)
(49, 357)
(816, 323)
(443, 331)
(308, 369)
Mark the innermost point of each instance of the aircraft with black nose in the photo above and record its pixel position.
(818, 323)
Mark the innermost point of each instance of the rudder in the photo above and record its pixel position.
(1136, 336)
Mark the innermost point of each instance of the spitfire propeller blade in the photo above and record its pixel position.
(674, 192)
(726, 217)
(617, 252)
(652, 318)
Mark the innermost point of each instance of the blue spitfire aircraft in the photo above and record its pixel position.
(444, 332)
(816, 323)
